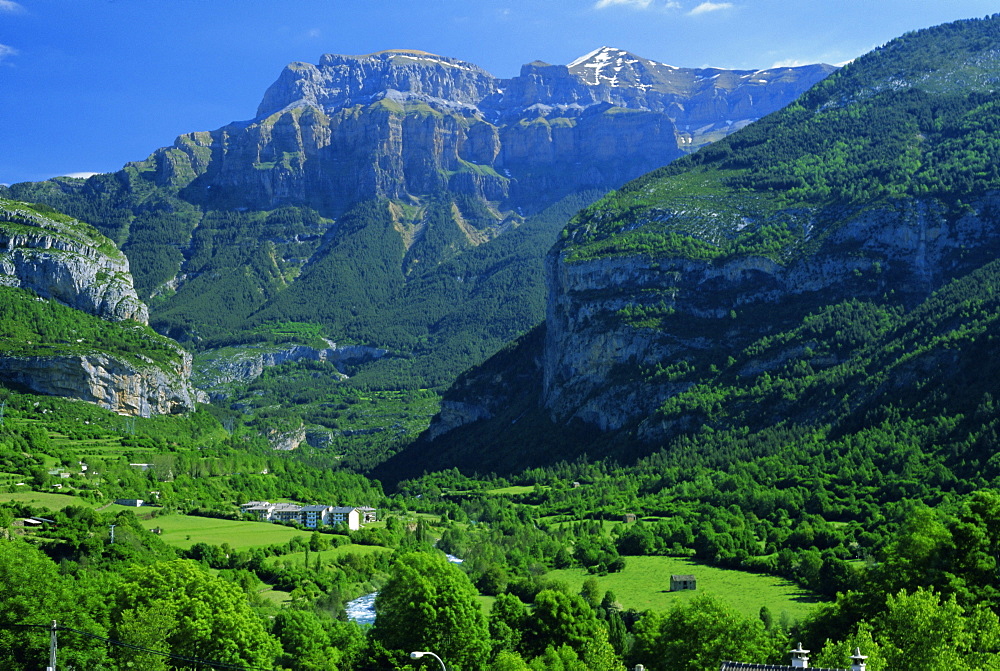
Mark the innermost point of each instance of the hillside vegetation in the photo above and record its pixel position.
(915, 118)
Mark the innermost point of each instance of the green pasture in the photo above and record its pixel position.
(183, 531)
(46, 500)
(276, 597)
(486, 603)
(645, 585)
(325, 555)
(513, 490)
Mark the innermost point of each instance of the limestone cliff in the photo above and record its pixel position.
(245, 364)
(62, 279)
(718, 306)
(128, 388)
(61, 258)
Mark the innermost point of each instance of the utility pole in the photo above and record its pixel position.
(52, 648)
(112, 533)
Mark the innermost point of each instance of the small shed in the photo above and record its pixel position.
(682, 582)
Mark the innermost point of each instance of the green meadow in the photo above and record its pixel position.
(184, 531)
(46, 500)
(645, 585)
(325, 555)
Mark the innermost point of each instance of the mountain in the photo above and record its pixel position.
(401, 199)
(72, 324)
(827, 269)
(705, 104)
(402, 123)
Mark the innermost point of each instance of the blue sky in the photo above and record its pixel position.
(87, 85)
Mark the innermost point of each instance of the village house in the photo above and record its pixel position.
(315, 516)
(682, 582)
(286, 512)
(347, 516)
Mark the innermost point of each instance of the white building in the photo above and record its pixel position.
(347, 516)
(311, 517)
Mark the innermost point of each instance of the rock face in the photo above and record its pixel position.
(399, 123)
(909, 248)
(589, 357)
(248, 363)
(63, 259)
(107, 381)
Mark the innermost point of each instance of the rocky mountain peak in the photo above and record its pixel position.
(340, 81)
(616, 67)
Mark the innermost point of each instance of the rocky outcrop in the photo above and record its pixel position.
(454, 414)
(288, 439)
(63, 259)
(400, 123)
(247, 363)
(343, 81)
(592, 355)
(111, 382)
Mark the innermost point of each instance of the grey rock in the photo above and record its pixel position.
(399, 123)
(114, 384)
(69, 262)
(247, 363)
(909, 247)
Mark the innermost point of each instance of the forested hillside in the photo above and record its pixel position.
(677, 301)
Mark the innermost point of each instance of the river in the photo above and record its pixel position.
(362, 609)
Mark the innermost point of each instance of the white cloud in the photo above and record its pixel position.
(10, 7)
(791, 63)
(84, 175)
(706, 7)
(314, 33)
(642, 4)
(6, 51)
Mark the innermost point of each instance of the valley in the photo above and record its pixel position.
(686, 365)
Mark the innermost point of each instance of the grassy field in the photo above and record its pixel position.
(512, 490)
(326, 555)
(184, 531)
(50, 501)
(276, 597)
(645, 584)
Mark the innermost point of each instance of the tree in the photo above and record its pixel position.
(34, 592)
(922, 630)
(212, 619)
(559, 619)
(508, 617)
(700, 635)
(591, 592)
(306, 641)
(428, 603)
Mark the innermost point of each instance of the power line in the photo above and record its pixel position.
(54, 628)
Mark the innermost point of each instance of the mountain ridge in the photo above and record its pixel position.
(354, 142)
